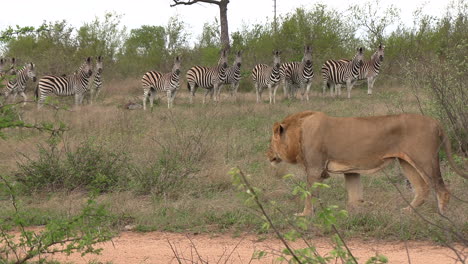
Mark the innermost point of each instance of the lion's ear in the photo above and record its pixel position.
(278, 130)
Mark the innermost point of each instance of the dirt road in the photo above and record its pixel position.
(155, 247)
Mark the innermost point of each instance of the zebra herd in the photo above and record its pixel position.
(76, 84)
(294, 76)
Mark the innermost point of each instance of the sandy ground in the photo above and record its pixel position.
(155, 247)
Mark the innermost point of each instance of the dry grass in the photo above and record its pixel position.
(233, 133)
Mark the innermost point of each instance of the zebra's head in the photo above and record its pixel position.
(276, 59)
(99, 64)
(31, 71)
(2, 64)
(359, 57)
(379, 53)
(87, 68)
(307, 59)
(12, 70)
(223, 59)
(238, 61)
(176, 67)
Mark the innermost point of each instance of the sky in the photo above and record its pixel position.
(157, 12)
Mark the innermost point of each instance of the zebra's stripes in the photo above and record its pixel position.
(75, 84)
(370, 69)
(298, 74)
(97, 80)
(209, 78)
(266, 76)
(154, 81)
(17, 85)
(233, 75)
(336, 72)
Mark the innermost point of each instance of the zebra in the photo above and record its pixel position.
(370, 69)
(266, 76)
(233, 75)
(298, 73)
(154, 81)
(17, 85)
(97, 81)
(341, 72)
(75, 84)
(209, 78)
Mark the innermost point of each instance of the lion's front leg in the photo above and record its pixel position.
(354, 188)
(313, 176)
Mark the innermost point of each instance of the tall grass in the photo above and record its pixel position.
(167, 169)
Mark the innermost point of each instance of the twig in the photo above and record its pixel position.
(196, 251)
(278, 234)
(174, 251)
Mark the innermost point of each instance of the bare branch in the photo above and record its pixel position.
(191, 2)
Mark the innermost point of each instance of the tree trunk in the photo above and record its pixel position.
(224, 24)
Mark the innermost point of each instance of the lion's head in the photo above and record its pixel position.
(285, 140)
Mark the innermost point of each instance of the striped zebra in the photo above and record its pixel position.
(209, 78)
(370, 69)
(75, 84)
(298, 74)
(341, 72)
(97, 81)
(266, 76)
(17, 85)
(154, 81)
(233, 75)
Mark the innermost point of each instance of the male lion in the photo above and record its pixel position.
(354, 145)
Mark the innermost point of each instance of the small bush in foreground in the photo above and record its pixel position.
(89, 166)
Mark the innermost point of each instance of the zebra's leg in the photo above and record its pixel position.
(338, 89)
(145, 97)
(192, 92)
(285, 89)
(236, 86)
(287, 92)
(274, 93)
(40, 99)
(152, 94)
(324, 88)
(257, 92)
(270, 92)
(168, 95)
(77, 99)
(173, 97)
(218, 93)
(206, 93)
(24, 98)
(14, 96)
(349, 86)
(308, 90)
(370, 85)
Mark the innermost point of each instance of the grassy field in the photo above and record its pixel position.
(167, 169)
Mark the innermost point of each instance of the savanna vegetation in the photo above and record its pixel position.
(168, 169)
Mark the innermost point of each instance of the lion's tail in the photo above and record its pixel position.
(448, 151)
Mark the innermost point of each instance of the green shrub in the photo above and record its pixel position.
(89, 166)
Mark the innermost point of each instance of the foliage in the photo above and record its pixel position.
(444, 74)
(373, 20)
(78, 233)
(89, 166)
(326, 217)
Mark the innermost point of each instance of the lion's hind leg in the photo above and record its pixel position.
(421, 188)
(354, 189)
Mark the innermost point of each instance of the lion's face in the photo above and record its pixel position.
(285, 140)
(276, 150)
